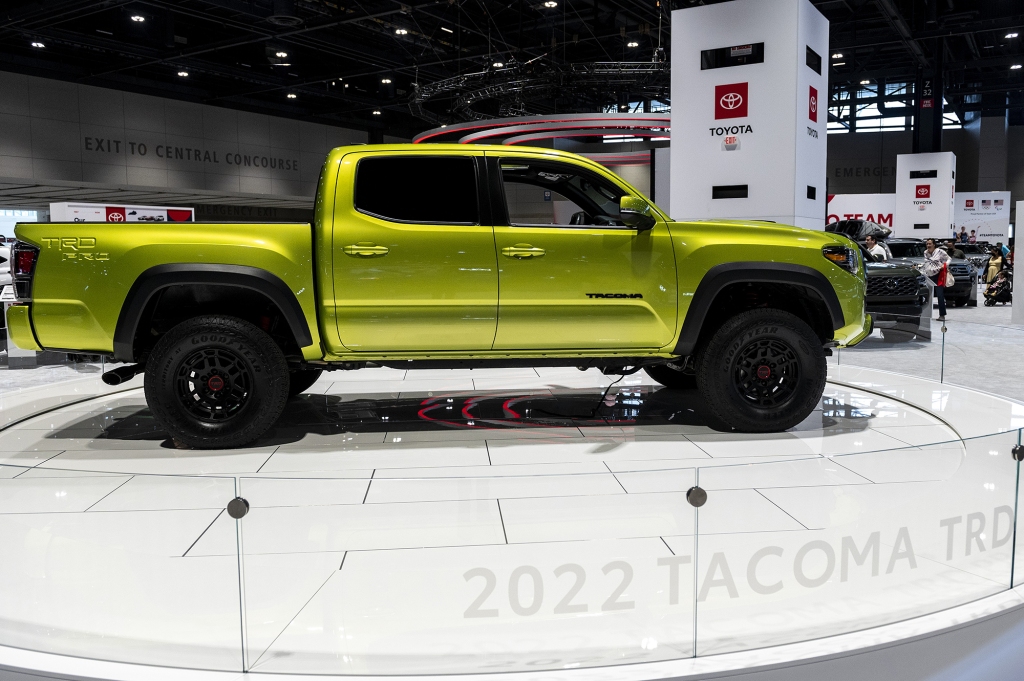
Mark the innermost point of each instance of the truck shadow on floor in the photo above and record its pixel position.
(651, 410)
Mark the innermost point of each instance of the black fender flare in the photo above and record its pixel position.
(720, 276)
(150, 282)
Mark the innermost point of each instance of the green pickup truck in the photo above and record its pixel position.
(444, 256)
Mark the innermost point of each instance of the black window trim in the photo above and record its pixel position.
(500, 201)
(481, 206)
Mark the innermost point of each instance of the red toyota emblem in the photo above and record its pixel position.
(924, 191)
(215, 383)
(812, 105)
(731, 101)
(764, 372)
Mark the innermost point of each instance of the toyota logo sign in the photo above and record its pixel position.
(924, 191)
(812, 105)
(731, 101)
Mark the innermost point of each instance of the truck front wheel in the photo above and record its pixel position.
(762, 371)
(216, 382)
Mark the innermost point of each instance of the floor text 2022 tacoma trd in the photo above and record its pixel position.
(427, 256)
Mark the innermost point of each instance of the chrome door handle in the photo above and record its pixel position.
(365, 249)
(522, 251)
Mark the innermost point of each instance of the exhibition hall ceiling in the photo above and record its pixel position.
(401, 67)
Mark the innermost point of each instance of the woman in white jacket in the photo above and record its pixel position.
(934, 260)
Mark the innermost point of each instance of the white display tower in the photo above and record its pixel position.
(924, 195)
(748, 134)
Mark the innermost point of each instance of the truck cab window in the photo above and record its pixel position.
(542, 193)
(418, 189)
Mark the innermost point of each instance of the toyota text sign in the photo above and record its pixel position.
(731, 101)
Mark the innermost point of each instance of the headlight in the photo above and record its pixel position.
(843, 257)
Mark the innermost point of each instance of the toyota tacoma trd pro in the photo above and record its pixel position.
(444, 256)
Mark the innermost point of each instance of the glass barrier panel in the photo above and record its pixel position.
(907, 344)
(508, 567)
(120, 567)
(795, 550)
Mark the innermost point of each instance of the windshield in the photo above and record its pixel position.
(911, 249)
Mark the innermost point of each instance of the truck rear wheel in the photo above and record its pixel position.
(762, 371)
(216, 382)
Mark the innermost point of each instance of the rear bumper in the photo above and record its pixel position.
(19, 328)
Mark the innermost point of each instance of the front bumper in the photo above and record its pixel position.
(19, 328)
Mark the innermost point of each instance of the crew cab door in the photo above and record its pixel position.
(414, 261)
(571, 275)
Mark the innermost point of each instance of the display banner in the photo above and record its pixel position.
(987, 214)
(924, 195)
(872, 207)
(98, 212)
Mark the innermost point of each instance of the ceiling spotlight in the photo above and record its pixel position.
(447, 30)
(1015, 67)
(38, 45)
(839, 63)
(401, 31)
(291, 95)
(386, 81)
(376, 112)
(865, 82)
(498, 64)
(281, 54)
(138, 18)
(1011, 35)
(837, 55)
(183, 74)
(632, 43)
(550, 4)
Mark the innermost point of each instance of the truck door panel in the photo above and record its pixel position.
(571, 276)
(414, 268)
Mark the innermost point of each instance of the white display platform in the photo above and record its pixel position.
(104, 525)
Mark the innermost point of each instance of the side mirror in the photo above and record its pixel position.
(636, 213)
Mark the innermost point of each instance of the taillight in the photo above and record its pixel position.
(23, 264)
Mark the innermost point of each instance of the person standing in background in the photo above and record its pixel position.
(875, 249)
(934, 267)
(995, 265)
(963, 235)
(972, 239)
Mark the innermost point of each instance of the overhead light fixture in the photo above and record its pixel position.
(291, 95)
(837, 55)
(839, 63)
(346, 84)
(865, 82)
(1015, 67)
(183, 74)
(138, 18)
(376, 112)
(498, 64)
(551, 4)
(632, 43)
(401, 31)
(281, 54)
(38, 45)
(386, 81)
(1011, 35)
(447, 30)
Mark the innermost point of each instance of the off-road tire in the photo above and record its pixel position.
(761, 371)
(216, 382)
(670, 377)
(302, 380)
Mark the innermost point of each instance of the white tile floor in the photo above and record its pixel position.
(381, 542)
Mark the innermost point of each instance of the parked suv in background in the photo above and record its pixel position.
(978, 255)
(965, 287)
(897, 298)
(858, 230)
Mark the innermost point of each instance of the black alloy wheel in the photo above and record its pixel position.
(761, 371)
(216, 382)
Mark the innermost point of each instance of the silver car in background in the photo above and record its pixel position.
(964, 290)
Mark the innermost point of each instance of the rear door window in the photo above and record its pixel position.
(420, 189)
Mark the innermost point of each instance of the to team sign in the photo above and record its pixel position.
(731, 101)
